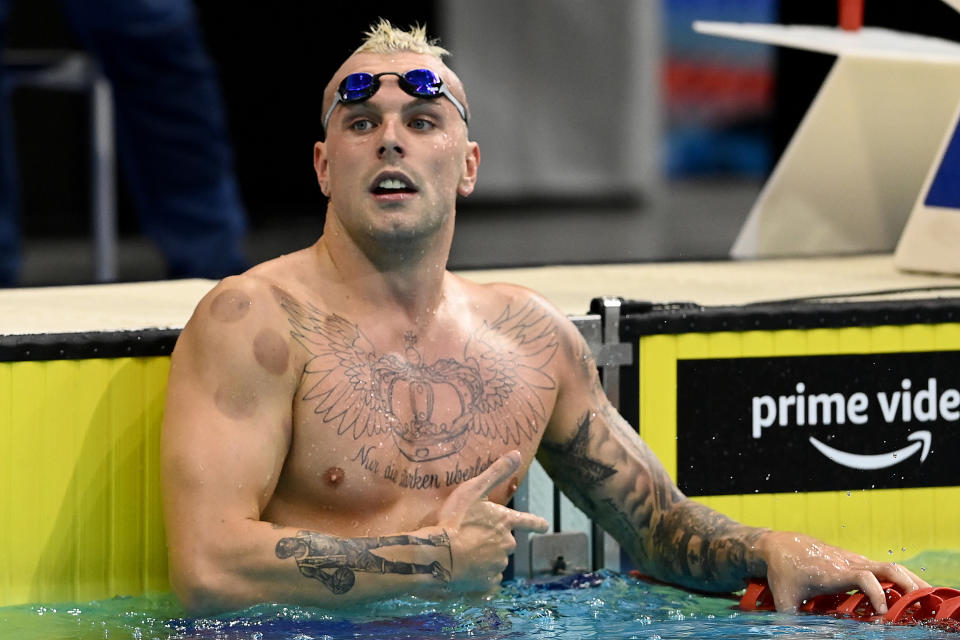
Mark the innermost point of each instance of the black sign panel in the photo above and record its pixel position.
(818, 423)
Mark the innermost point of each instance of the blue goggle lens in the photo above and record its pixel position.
(422, 83)
(357, 86)
(418, 82)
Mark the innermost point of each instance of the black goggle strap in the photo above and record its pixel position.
(438, 89)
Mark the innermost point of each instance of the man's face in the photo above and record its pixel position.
(393, 165)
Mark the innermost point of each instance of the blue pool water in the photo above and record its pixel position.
(604, 605)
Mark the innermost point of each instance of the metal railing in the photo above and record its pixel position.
(601, 330)
(74, 71)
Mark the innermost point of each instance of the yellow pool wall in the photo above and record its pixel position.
(884, 524)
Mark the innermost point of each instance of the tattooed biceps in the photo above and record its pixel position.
(586, 366)
(572, 466)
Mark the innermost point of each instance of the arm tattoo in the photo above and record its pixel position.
(634, 499)
(583, 473)
(334, 561)
(706, 549)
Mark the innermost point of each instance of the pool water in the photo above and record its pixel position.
(603, 605)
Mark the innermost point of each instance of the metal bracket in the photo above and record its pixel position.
(558, 553)
(601, 330)
(614, 354)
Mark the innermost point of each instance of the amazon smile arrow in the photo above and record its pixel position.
(879, 460)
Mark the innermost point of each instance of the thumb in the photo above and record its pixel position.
(479, 487)
(786, 597)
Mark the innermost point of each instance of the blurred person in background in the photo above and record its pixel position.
(172, 137)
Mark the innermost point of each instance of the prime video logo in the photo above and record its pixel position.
(900, 406)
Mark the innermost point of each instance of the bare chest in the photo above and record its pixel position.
(393, 432)
(407, 430)
(386, 424)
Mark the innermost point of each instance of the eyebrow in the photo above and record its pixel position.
(413, 105)
(359, 107)
(420, 104)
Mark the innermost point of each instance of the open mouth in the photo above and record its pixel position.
(392, 184)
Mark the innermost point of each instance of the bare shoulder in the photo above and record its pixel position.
(234, 305)
(525, 314)
(524, 305)
(541, 329)
(239, 333)
(501, 295)
(252, 301)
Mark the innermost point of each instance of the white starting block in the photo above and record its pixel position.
(931, 239)
(871, 145)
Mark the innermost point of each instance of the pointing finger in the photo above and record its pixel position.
(479, 488)
(529, 522)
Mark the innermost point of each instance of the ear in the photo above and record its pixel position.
(322, 166)
(469, 178)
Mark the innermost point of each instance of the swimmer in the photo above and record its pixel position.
(346, 423)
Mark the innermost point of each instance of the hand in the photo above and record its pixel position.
(800, 567)
(480, 531)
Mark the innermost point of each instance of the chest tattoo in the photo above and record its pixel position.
(496, 390)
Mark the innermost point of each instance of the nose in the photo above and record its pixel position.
(390, 145)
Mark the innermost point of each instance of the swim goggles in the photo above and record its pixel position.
(420, 83)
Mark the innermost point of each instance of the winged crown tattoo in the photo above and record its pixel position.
(430, 409)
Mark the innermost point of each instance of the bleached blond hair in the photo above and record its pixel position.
(383, 37)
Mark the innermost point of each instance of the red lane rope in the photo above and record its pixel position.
(933, 606)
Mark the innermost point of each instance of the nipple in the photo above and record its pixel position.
(334, 476)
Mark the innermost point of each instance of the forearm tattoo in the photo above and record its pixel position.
(698, 543)
(334, 561)
(634, 499)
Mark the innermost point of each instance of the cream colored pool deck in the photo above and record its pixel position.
(168, 304)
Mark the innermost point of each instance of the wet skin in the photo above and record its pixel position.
(347, 422)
